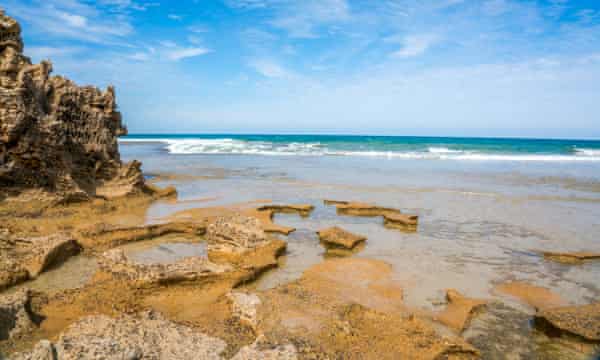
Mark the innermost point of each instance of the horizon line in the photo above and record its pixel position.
(364, 135)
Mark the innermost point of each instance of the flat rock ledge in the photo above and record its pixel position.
(573, 258)
(360, 209)
(336, 237)
(303, 210)
(187, 270)
(392, 218)
(103, 236)
(580, 321)
(400, 221)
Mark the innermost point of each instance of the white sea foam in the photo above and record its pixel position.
(243, 147)
(443, 150)
(587, 152)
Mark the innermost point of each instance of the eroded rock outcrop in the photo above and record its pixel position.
(54, 134)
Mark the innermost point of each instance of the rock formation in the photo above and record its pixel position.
(54, 134)
(335, 238)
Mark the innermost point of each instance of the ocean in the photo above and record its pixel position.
(400, 147)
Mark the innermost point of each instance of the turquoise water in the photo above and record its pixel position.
(379, 146)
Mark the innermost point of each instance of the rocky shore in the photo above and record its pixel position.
(65, 194)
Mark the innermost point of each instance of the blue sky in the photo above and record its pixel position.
(437, 67)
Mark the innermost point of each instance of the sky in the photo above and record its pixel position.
(526, 68)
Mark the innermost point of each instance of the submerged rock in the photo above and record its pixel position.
(15, 318)
(336, 237)
(581, 321)
(460, 310)
(54, 134)
(537, 297)
(571, 257)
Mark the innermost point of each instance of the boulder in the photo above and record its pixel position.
(336, 237)
(15, 318)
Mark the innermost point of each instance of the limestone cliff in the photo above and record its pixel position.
(56, 135)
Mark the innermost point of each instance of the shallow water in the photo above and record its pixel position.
(164, 250)
(73, 274)
(480, 222)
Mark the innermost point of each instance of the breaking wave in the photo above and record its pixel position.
(275, 148)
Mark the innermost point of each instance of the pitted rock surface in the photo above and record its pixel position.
(235, 234)
(147, 336)
(189, 269)
(14, 315)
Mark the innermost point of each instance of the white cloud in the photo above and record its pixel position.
(415, 45)
(300, 19)
(139, 56)
(73, 20)
(269, 68)
(48, 52)
(183, 53)
(175, 17)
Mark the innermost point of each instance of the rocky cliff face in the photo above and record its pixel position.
(54, 134)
